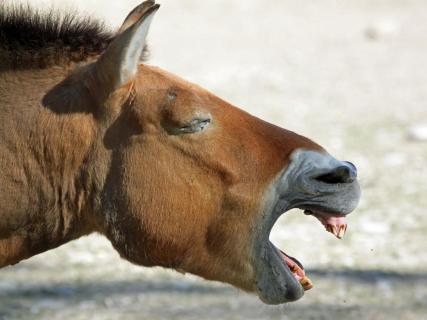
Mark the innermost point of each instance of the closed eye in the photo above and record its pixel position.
(196, 125)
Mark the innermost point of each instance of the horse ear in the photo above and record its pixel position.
(119, 63)
(135, 15)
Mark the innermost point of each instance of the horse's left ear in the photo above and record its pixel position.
(119, 63)
(136, 14)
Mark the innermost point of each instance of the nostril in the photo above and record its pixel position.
(351, 165)
(341, 174)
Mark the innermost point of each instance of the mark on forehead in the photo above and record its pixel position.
(171, 95)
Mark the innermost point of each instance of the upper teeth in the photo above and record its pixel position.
(338, 231)
(334, 223)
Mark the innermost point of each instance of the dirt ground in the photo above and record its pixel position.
(352, 75)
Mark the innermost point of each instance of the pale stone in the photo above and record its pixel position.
(418, 133)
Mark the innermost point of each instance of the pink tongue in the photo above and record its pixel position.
(333, 222)
(298, 272)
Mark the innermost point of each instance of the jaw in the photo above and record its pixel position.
(275, 283)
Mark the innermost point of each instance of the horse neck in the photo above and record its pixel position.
(45, 152)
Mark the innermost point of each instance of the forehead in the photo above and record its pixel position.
(161, 89)
(154, 78)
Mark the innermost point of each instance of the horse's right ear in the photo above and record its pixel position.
(119, 63)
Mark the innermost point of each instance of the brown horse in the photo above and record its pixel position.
(92, 140)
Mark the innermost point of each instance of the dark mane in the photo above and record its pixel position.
(31, 39)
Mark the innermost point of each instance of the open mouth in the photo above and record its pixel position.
(334, 223)
(322, 187)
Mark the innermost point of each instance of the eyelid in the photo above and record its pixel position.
(196, 125)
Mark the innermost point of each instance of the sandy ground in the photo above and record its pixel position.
(352, 75)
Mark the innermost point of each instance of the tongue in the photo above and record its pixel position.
(333, 222)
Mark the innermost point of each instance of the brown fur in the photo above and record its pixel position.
(73, 163)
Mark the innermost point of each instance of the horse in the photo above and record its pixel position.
(95, 140)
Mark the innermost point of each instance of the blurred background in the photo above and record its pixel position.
(352, 75)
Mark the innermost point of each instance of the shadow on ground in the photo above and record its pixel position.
(108, 288)
(348, 294)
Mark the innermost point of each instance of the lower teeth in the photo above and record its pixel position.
(306, 283)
